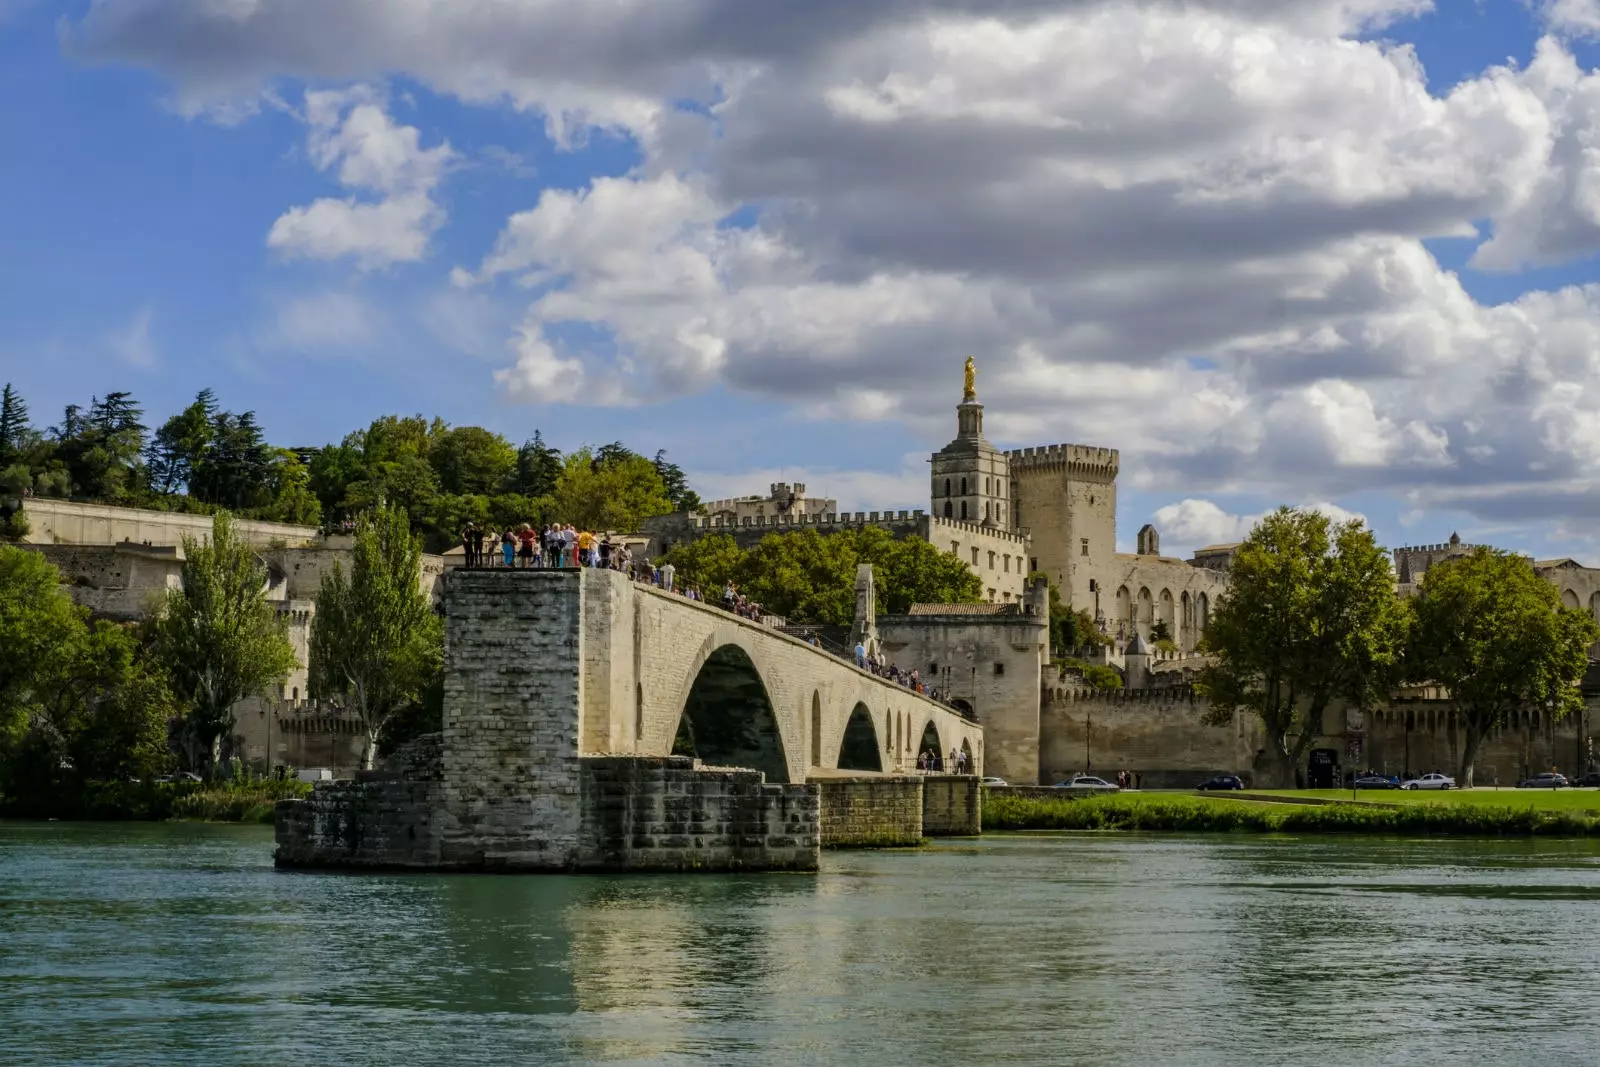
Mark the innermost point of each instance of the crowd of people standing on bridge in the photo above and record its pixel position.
(550, 547)
(874, 662)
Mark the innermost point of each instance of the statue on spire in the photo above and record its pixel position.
(970, 386)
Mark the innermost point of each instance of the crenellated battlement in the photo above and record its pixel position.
(831, 520)
(1018, 536)
(1176, 694)
(1079, 459)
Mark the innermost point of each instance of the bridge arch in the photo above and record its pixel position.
(858, 748)
(930, 739)
(728, 719)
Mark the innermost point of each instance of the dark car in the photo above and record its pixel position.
(1376, 781)
(1222, 781)
(1547, 780)
(1589, 781)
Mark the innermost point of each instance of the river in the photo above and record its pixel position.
(179, 944)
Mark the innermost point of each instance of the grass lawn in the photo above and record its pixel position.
(1521, 799)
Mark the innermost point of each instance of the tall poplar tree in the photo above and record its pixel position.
(377, 643)
(219, 637)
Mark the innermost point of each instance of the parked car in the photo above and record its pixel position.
(1376, 781)
(1085, 783)
(991, 780)
(1222, 781)
(1545, 780)
(1588, 781)
(1430, 781)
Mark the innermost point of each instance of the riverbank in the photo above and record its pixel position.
(241, 802)
(1176, 813)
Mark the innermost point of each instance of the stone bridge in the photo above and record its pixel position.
(665, 674)
(571, 699)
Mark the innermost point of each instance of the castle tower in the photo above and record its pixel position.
(1065, 496)
(1136, 663)
(971, 478)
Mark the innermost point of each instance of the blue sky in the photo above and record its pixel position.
(772, 259)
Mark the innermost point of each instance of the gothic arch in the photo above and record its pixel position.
(1569, 598)
(858, 748)
(1125, 608)
(1167, 613)
(728, 719)
(816, 728)
(1147, 610)
(1202, 615)
(930, 739)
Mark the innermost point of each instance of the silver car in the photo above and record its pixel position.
(1086, 783)
(1547, 780)
(1430, 781)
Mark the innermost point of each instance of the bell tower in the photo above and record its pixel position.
(971, 478)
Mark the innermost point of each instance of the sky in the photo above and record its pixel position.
(1333, 253)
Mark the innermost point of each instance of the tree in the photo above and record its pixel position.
(676, 484)
(810, 577)
(615, 493)
(77, 699)
(288, 491)
(219, 638)
(180, 445)
(13, 424)
(377, 645)
(1310, 617)
(472, 460)
(1497, 637)
(538, 467)
(1071, 629)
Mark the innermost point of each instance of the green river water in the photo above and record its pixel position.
(179, 944)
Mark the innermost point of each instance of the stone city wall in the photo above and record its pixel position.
(879, 811)
(68, 522)
(1158, 734)
(952, 805)
(643, 813)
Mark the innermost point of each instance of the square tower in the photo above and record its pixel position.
(971, 478)
(1066, 497)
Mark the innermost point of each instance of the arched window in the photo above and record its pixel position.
(947, 509)
(947, 487)
(986, 511)
(988, 485)
(963, 509)
(963, 487)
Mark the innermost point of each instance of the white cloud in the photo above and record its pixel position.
(351, 135)
(133, 343)
(1194, 523)
(1581, 18)
(1192, 231)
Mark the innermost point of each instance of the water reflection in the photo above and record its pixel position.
(181, 945)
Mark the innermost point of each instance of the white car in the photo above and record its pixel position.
(1085, 783)
(1430, 781)
(991, 780)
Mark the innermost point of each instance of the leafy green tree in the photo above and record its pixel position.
(77, 699)
(539, 467)
(676, 484)
(219, 638)
(288, 491)
(180, 445)
(810, 577)
(234, 470)
(615, 493)
(1310, 618)
(472, 460)
(1071, 629)
(377, 645)
(1497, 637)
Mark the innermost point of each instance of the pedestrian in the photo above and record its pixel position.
(466, 544)
(477, 545)
(861, 655)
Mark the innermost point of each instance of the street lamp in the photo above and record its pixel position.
(1088, 725)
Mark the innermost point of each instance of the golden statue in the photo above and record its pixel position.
(970, 389)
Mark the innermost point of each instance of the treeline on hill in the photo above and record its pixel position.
(92, 713)
(811, 578)
(205, 458)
